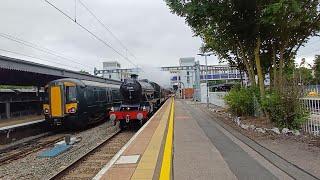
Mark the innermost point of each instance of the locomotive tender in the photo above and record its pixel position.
(141, 98)
(76, 103)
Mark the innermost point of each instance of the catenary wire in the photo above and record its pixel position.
(21, 54)
(40, 48)
(94, 35)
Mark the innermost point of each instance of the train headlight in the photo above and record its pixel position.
(139, 116)
(46, 111)
(72, 110)
(112, 109)
(144, 108)
(112, 117)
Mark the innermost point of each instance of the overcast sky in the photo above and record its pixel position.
(146, 27)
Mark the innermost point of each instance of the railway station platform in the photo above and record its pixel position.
(20, 122)
(183, 141)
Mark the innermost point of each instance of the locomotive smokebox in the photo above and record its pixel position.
(131, 89)
(134, 91)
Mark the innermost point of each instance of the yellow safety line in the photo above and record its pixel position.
(148, 161)
(165, 173)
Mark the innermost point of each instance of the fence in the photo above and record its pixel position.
(216, 98)
(312, 126)
(312, 88)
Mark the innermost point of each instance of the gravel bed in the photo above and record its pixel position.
(32, 167)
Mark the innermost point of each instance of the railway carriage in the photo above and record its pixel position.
(77, 103)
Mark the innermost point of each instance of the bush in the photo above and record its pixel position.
(284, 108)
(241, 100)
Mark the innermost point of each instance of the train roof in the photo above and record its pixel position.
(86, 83)
(98, 84)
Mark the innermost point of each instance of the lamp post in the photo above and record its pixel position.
(205, 57)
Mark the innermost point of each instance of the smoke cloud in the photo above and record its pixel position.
(155, 74)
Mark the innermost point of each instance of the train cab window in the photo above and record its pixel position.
(102, 95)
(71, 94)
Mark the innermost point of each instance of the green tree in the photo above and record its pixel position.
(317, 69)
(304, 75)
(262, 36)
(84, 72)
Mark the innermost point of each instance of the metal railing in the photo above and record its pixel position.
(312, 104)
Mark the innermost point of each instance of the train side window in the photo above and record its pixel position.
(85, 94)
(95, 95)
(102, 95)
(109, 95)
(89, 94)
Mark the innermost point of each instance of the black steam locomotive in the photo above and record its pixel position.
(141, 98)
(76, 103)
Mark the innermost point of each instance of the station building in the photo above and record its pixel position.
(187, 77)
(113, 70)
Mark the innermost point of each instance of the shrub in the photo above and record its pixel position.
(241, 100)
(284, 108)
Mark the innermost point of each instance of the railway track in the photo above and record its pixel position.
(25, 149)
(87, 166)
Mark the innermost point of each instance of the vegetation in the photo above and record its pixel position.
(84, 72)
(261, 37)
(284, 107)
(317, 69)
(241, 100)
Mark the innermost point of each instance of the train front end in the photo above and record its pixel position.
(128, 113)
(61, 102)
(136, 107)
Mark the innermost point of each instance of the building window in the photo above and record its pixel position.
(188, 79)
(109, 76)
(188, 73)
(179, 78)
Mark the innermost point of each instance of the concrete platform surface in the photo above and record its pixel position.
(20, 122)
(204, 150)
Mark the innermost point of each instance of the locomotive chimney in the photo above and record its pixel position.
(134, 76)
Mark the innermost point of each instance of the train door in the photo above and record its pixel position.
(56, 101)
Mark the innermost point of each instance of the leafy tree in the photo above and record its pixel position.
(317, 69)
(304, 75)
(291, 23)
(262, 36)
(84, 72)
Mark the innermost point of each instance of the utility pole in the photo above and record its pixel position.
(205, 57)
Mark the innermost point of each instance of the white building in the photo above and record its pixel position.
(189, 74)
(112, 70)
(186, 77)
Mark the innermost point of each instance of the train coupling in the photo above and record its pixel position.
(127, 118)
(57, 122)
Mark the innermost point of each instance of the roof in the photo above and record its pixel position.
(21, 72)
